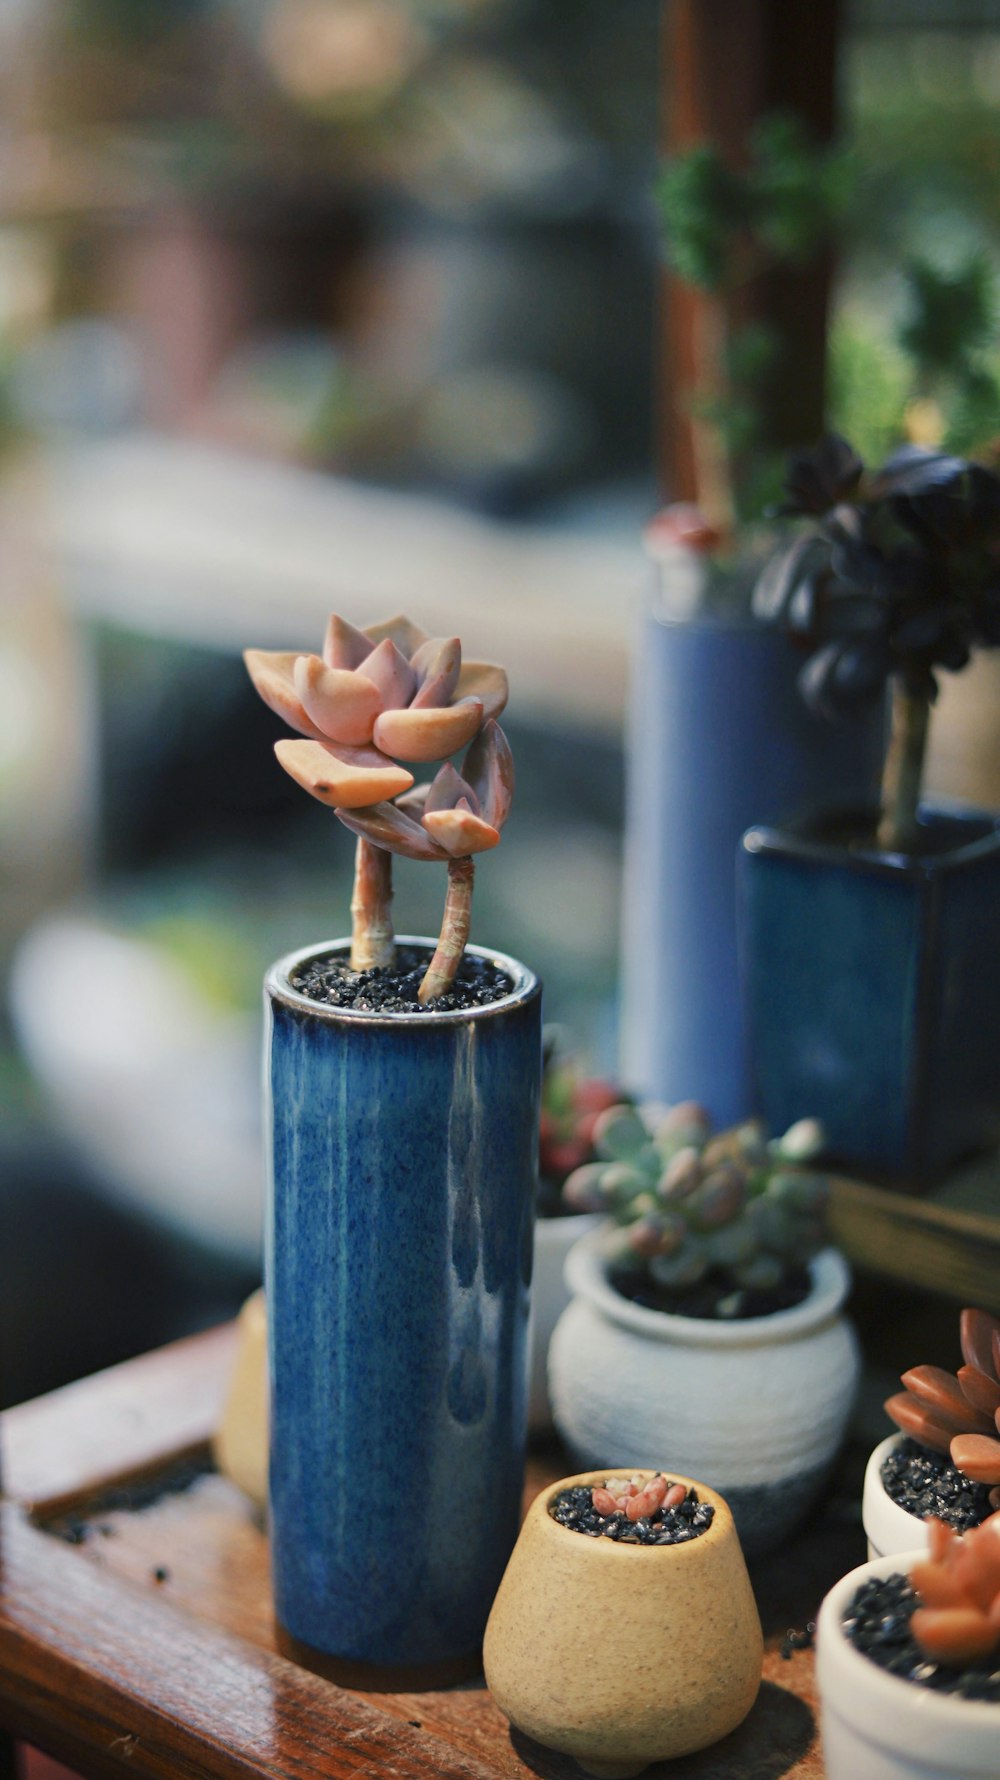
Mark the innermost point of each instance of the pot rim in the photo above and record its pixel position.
(895, 1713)
(277, 987)
(721, 1522)
(586, 1276)
(890, 1528)
(765, 839)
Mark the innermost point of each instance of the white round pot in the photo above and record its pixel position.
(756, 1408)
(888, 1528)
(877, 1727)
(554, 1237)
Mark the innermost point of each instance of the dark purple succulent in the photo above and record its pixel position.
(896, 577)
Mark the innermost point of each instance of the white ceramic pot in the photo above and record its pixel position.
(757, 1408)
(877, 1727)
(554, 1237)
(889, 1528)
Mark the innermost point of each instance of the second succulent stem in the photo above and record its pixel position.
(373, 941)
(441, 971)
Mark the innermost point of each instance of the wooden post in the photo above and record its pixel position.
(725, 62)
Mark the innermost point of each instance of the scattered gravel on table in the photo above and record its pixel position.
(878, 1624)
(574, 1508)
(333, 983)
(926, 1483)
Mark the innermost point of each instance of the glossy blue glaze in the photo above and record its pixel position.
(398, 1261)
(873, 991)
(719, 737)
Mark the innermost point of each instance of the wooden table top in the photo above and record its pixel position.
(135, 1617)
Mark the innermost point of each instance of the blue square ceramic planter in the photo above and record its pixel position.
(872, 984)
(398, 1261)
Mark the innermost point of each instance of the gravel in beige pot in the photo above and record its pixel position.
(686, 1613)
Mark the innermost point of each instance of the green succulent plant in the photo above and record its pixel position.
(692, 1205)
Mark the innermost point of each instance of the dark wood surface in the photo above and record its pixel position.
(148, 1645)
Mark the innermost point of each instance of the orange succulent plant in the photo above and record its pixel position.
(959, 1585)
(377, 700)
(959, 1414)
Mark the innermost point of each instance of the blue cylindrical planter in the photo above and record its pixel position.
(398, 1261)
(719, 738)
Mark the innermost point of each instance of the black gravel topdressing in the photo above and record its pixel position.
(332, 982)
(878, 1624)
(926, 1483)
(574, 1508)
(715, 1296)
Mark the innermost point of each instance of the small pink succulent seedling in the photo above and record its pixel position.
(375, 698)
(959, 1414)
(635, 1499)
(959, 1584)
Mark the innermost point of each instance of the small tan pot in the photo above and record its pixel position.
(621, 1655)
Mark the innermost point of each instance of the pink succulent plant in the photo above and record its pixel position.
(959, 1585)
(959, 1415)
(377, 697)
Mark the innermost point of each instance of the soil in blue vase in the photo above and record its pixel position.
(333, 983)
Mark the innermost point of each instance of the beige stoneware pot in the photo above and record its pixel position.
(620, 1655)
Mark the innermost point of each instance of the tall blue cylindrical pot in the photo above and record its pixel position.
(398, 1260)
(718, 735)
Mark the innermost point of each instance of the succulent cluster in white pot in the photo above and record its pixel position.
(753, 1372)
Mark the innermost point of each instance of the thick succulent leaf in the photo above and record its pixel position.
(978, 1455)
(817, 480)
(979, 1333)
(916, 1419)
(487, 682)
(913, 470)
(942, 1394)
(489, 768)
(437, 664)
(428, 735)
(401, 630)
(953, 1636)
(344, 646)
(460, 832)
(412, 802)
(844, 675)
(343, 705)
(389, 827)
(979, 1389)
(447, 788)
(391, 673)
(273, 675)
(344, 778)
(779, 578)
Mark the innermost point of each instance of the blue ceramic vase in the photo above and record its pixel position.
(719, 737)
(398, 1261)
(873, 989)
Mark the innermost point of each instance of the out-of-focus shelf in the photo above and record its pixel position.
(947, 1240)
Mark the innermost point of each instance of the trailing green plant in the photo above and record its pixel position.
(692, 1206)
(959, 1414)
(722, 228)
(896, 576)
(375, 698)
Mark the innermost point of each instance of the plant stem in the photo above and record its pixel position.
(903, 773)
(440, 973)
(712, 468)
(372, 938)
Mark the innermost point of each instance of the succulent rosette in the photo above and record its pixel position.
(376, 701)
(959, 1414)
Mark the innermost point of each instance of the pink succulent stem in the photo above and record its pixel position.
(373, 944)
(440, 973)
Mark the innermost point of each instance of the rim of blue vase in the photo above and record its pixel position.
(278, 987)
